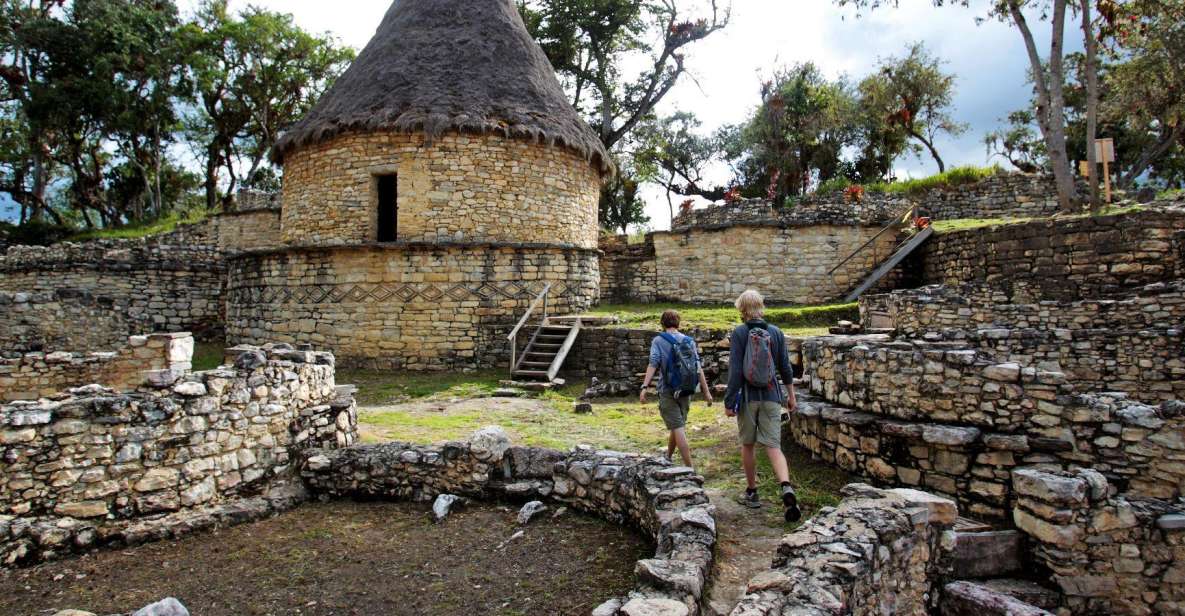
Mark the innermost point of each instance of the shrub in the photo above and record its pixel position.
(834, 185)
(33, 233)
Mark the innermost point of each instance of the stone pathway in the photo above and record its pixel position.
(747, 540)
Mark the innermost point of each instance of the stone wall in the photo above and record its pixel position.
(1133, 444)
(31, 376)
(665, 502)
(1064, 259)
(64, 320)
(243, 230)
(787, 264)
(876, 553)
(93, 467)
(171, 283)
(1004, 195)
(938, 309)
(830, 210)
(1107, 554)
(403, 306)
(458, 188)
(629, 273)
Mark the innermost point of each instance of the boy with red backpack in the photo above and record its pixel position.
(675, 357)
(757, 356)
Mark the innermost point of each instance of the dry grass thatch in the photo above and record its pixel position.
(449, 65)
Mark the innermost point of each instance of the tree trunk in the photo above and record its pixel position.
(1050, 89)
(212, 153)
(1092, 105)
(933, 151)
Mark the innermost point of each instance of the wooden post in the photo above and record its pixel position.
(1105, 151)
(1106, 182)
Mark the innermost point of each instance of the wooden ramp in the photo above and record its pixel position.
(547, 350)
(887, 266)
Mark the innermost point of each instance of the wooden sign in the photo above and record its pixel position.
(1105, 150)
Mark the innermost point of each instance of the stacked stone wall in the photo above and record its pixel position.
(1063, 259)
(829, 210)
(876, 553)
(475, 188)
(403, 306)
(33, 375)
(916, 312)
(667, 503)
(1106, 553)
(93, 466)
(787, 264)
(169, 284)
(64, 320)
(629, 272)
(244, 230)
(1004, 195)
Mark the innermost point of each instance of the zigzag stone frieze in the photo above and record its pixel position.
(403, 292)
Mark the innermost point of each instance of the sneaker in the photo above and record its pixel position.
(750, 499)
(790, 501)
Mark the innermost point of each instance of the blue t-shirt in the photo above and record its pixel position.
(660, 352)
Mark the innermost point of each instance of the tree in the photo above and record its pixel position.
(591, 43)
(1019, 144)
(1048, 77)
(797, 136)
(913, 93)
(254, 73)
(620, 206)
(674, 155)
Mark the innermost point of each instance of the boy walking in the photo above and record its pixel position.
(675, 358)
(757, 357)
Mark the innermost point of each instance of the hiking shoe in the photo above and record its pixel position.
(750, 499)
(790, 501)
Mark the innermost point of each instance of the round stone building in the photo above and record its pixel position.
(429, 197)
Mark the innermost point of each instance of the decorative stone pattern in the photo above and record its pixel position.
(1108, 554)
(169, 284)
(876, 553)
(1134, 445)
(64, 320)
(667, 503)
(629, 272)
(34, 375)
(1064, 259)
(787, 264)
(407, 306)
(93, 466)
(458, 188)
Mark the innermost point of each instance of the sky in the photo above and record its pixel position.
(728, 68)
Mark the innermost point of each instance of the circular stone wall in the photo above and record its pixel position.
(403, 306)
(460, 188)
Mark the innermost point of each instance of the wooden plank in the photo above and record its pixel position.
(563, 352)
(892, 262)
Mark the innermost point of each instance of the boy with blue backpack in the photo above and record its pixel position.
(675, 357)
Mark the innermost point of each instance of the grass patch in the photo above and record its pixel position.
(957, 176)
(207, 355)
(963, 224)
(162, 225)
(376, 387)
(795, 320)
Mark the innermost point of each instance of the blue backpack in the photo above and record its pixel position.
(682, 370)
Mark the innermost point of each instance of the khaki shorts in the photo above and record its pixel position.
(674, 411)
(761, 422)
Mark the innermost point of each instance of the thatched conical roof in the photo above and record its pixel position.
(440, 65)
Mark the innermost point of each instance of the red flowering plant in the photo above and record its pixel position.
(853, 194)
(733, 195)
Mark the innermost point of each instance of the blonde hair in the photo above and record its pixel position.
(751, 305)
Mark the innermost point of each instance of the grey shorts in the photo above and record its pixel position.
(761, 422)
(674, 411)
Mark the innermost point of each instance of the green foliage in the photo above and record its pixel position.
(165, 224)
(952, 178)
(794, 319)
(34, 233)
(834, 185)
(620, 205)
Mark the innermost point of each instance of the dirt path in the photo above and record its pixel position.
(746, 547)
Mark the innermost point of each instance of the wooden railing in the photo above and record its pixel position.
(513, 337)
(909, 216)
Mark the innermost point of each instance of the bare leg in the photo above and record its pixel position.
(778, 460)
(749, 461)
(679, 436)
(671, 445)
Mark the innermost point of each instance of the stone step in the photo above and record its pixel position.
(972, 599)
(984, 554)
(1026, 590)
